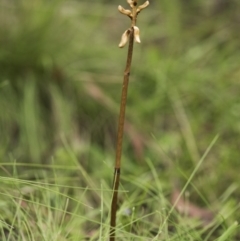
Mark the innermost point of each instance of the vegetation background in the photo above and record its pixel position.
(60, 84)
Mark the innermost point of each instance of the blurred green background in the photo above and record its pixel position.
(60, 84)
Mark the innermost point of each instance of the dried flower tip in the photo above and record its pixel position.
(137, 34)
(124, 39)
(142, 6)
(124, 11)
(130, 2)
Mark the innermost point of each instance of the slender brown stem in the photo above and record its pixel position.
(133, 34)
(117, 171)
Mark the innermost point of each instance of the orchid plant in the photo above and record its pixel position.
(130, 35)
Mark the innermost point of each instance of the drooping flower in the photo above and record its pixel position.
(124, 39)
(136, 34)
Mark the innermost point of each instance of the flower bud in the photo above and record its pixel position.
(124, 11)
(137, 34)
(130, 2)
(124, 39)
(142, 6)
